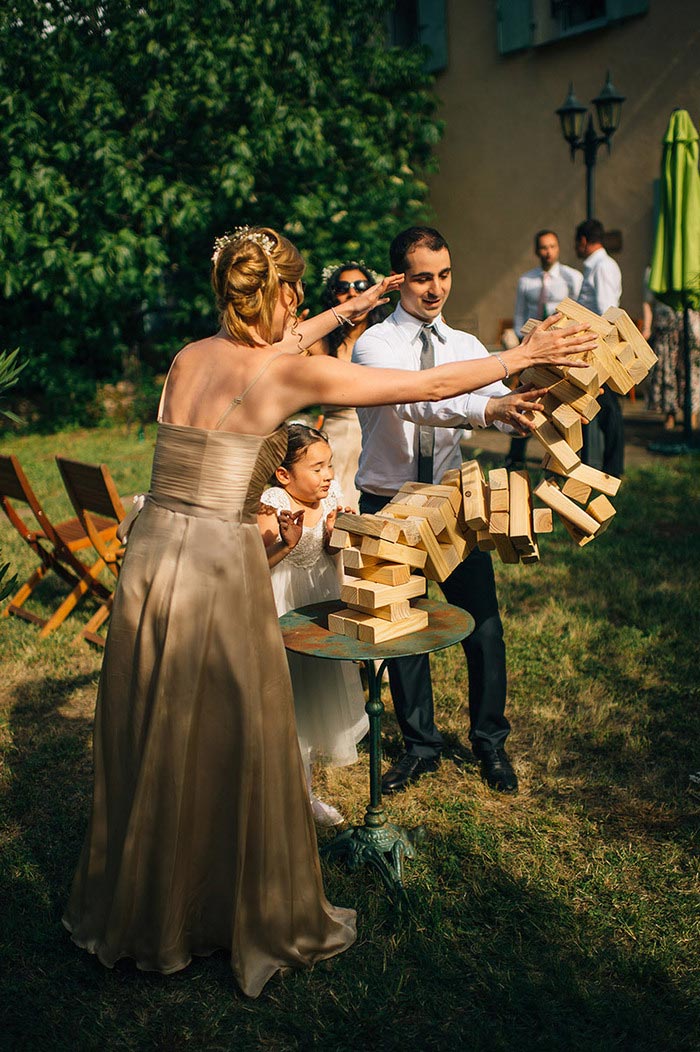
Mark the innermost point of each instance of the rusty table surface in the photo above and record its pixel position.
(304, 631)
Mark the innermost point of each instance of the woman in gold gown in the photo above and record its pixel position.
(201, 835)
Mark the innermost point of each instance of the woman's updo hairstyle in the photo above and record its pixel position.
(248, 267)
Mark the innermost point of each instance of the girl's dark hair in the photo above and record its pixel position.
(299, 438)
(329, 299)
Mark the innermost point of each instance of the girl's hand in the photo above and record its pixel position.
(509, 408)
(357, 306)
(548, 346)
(291, 527)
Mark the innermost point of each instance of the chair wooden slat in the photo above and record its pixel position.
(55, 545)
(99, 508)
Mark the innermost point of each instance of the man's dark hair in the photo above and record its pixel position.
(409, 239)
(543, 233)
(593, 231)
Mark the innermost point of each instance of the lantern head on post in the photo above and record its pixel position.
(572, 114)
(608, 106)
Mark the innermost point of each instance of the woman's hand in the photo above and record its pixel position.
(357, 306)
(509, 409)
(291, 527)
(546, 345)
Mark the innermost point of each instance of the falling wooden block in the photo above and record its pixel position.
(393, 553)
(392, 612)
(441, 560)
(451, 478)
(371, 594)
(409, 528)
(637, 370)
(383, 573)
(368, 526)
(578, 491)
(454, 534)
(354, 559)
(505, 548)
(499, 523)
(630, 333)
(569, 393)
(406, 511)
(550, 438)
(520, 524)
(534, 555)
(618, 378)
(586, 377)
(624, 353)
(597, 480)
(542, 520)
(340, 539)
(530, 325)
(499, 494)
(541, 375)
(427, 490)
(577, 312)
(568, 423)
(602, 511)
(579, 536)
(550, 494)
(484, 541)
(475, 511)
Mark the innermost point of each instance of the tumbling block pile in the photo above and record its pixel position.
(425, 531)
(621, 359)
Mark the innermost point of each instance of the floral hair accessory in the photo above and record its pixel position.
(242, 233)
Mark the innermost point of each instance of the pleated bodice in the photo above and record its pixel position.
(219, 472)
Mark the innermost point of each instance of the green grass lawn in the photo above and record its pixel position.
(567, 918)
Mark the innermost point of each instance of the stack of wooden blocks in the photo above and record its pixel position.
(421, 529)
(425, 531)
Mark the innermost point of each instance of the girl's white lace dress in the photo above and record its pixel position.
(328, 696)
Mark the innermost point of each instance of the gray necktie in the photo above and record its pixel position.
(426, 435)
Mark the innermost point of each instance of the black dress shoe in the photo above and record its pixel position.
(408, 769)
(496, 769)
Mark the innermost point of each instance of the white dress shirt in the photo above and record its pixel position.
(389, 454)
(602, 282)
(560, 281)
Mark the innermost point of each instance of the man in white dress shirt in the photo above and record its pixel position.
(543, 287)
(604, 437)
(403, 443)
(539, 291)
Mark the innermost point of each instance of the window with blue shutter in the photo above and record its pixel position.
(529, 23)
(421, 22)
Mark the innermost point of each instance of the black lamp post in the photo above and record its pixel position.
(572, 115)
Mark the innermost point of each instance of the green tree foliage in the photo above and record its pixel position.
(131, 135)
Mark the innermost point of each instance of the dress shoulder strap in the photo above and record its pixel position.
(235, 402)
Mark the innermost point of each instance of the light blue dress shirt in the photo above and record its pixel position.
(561, 282)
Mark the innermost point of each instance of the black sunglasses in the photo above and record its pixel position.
(359, 286)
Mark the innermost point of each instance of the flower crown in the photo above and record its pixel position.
(352, 265)
(242, 233)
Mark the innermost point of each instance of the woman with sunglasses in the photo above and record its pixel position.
(341, 425)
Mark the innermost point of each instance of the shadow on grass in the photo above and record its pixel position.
(483, 961)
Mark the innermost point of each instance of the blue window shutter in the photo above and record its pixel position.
(514, 25)
(619, 9)
(432, 23)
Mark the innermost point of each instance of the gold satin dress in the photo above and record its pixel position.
(201, 835)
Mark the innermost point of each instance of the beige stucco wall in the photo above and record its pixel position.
(504, 166)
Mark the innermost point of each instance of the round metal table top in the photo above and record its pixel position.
(304, 631)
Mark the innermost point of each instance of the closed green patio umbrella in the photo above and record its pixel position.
(675, 266)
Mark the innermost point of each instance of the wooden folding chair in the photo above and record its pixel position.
(95, 498)
(54, 543)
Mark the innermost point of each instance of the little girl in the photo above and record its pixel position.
(296, 518)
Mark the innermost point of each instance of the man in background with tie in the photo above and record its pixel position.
(539, 292)
(421, 442)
